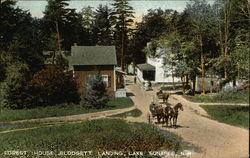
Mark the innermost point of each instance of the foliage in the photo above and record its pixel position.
(96, 92)
(62, 25)
(64, 109)
(88, 17)
(202, 23)
(102, 26)
(51, 86)
(97, 135)
(20, 35)
(227, 97)
(232, 24)
(55, 14)
(230, 114)
(13, 83)
(122, 19)
(239, 54)
(176, 47)
(153, 24)
(205, 40)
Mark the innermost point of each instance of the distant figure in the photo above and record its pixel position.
(159, 94)
(134, 80)
(165, 97)
(149, 85)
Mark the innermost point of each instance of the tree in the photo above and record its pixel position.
(222, 19)
(96, 92)
(88, 17)
(122, 18)
(170, 47)
(200, 16)
(55, 13)
(232, 24)
(73, 31)
(153, 25)
(87, 22)
(240, 55)
(14, 81)
(8, 23)
(20, 34)
(102, 26)
(239, 40)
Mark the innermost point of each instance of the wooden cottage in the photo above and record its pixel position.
(88, 61)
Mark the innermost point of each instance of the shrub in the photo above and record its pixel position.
(51, 86)
(13, 81)
(96, 92)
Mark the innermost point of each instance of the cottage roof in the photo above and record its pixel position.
(93, 55)
(146, 67)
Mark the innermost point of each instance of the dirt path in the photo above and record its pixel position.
(217, 140)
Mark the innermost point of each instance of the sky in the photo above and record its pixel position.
(36, 7)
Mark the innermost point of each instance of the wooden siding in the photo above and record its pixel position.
(81, 74)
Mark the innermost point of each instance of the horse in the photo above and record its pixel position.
(172, 113)
(168, 112)
(159, 113)
(157, 110)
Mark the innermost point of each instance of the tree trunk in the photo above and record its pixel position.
(58, 36)
(248, 8)
(194, 87)
(211, 85)
(226, 32)
(202, 66)
(187, 80)
(183, 84)
(234, 82)
(173, 79)
(203, 73)
(221, 42)
(53, 57)
(122, 51)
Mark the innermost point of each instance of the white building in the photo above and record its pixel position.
(155, 71)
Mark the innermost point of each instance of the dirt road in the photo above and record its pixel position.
(217, 140)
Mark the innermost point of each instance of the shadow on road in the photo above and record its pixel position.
(177, 126)
(129, 94)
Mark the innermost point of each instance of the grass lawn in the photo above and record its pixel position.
(132, 113)
(59, 110)
(230, 114)
(232, 97)
(97, 135)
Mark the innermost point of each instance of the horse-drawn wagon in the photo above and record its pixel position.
(165, 114)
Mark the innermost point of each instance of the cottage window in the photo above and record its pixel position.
(105, 78)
